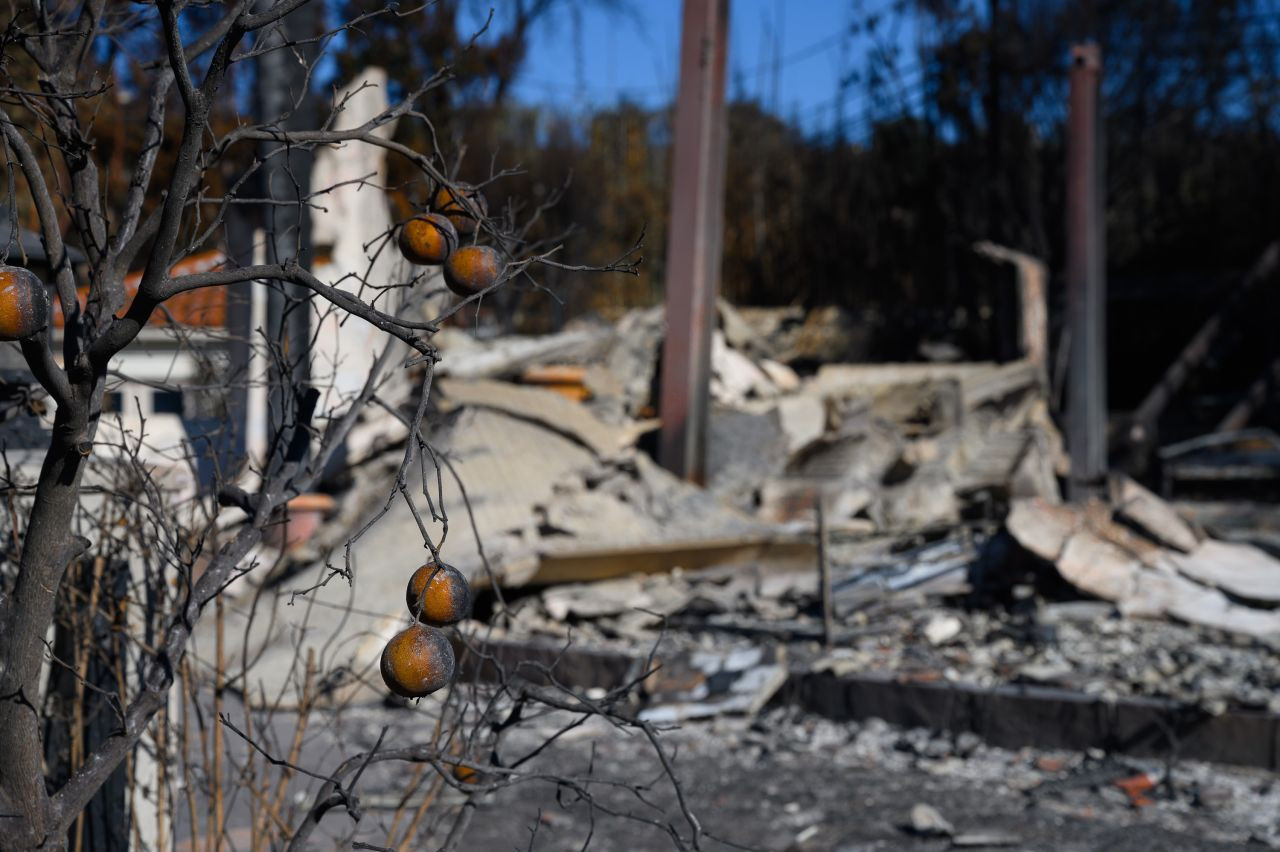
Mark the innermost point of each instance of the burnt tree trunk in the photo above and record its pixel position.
(47, 548)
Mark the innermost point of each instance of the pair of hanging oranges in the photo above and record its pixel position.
(419, 659)
(431, 239)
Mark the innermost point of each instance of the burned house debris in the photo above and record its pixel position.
(928, 491)
(874, 546)
(776, 483)
(864, 545)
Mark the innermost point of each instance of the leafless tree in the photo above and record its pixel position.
(124, 565)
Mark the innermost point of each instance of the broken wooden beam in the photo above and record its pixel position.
(577, 564)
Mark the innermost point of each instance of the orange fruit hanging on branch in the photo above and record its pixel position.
(438, 594)
(473, 269)
(417, 661)
(465, 774)
(24, 303)
(428, 240)
(463, 204)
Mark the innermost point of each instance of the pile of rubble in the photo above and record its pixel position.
(937, 484)
(883, 448)
(898, 520)
(1137, 552)
(921, 615)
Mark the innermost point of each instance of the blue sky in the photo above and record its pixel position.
(588, 56)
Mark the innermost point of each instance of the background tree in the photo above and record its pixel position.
(126, 562)
(872, 203)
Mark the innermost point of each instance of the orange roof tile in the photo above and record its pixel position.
(204, 308)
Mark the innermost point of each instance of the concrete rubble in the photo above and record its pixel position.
(888, 446)
(950, 557)
(1207, 586)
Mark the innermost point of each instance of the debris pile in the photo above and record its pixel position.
(897, 523)
(913, 615)
(897, 447)
(1143, 557)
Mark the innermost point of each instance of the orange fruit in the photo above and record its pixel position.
(24, 303)
(428, 240)
(453, 203)
(417, 661)
(465, 774)
(438, 594)
(472, 269)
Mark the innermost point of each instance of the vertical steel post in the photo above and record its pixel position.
(1086, 278)
(695, 228)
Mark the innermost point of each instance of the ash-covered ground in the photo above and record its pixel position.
(793, 781)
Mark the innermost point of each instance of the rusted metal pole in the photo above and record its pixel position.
(694, 237)
(1086, 278)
